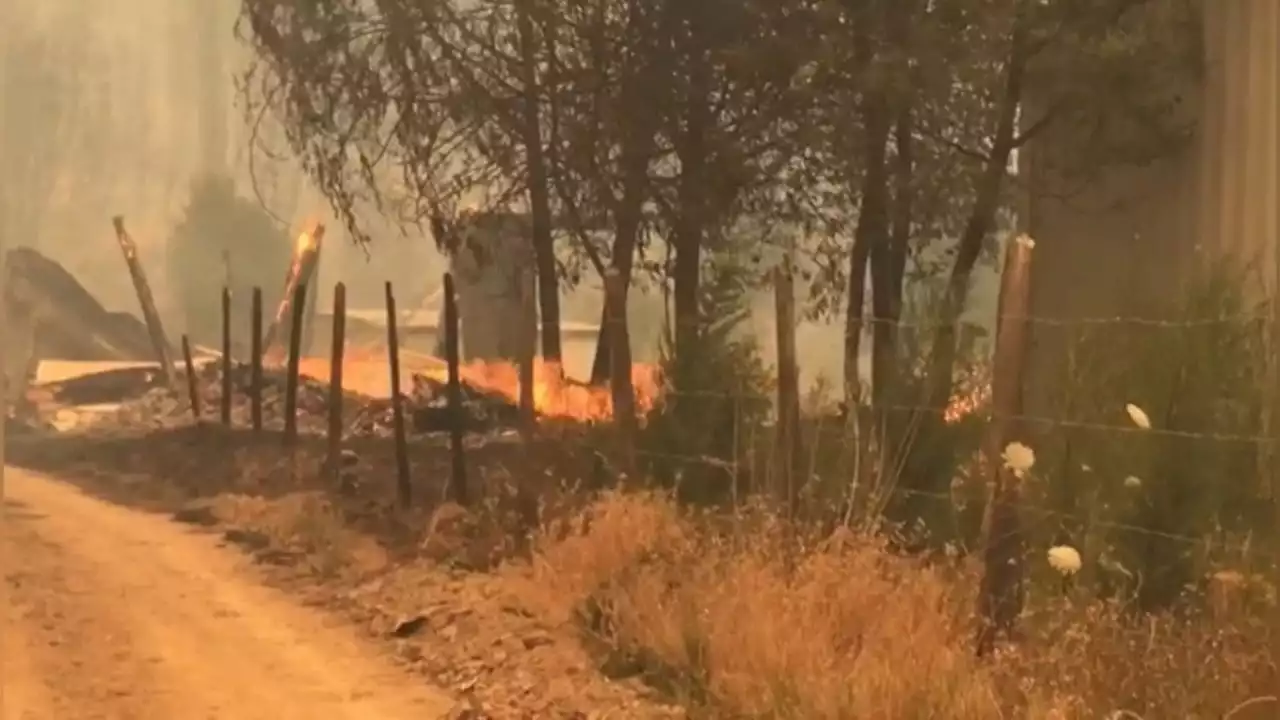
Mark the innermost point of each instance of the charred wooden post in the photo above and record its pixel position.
(255, 378)
(335, 376)
(226, 358)
(159, 343)
(404, 487)
(457, 415)
(193, 391)
(295, 358)
(622, 392)
(306, 258)
(788, 427)
(1000, 596)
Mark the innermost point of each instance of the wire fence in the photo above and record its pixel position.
(836, 461)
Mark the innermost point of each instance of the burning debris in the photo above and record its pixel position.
(139, 398)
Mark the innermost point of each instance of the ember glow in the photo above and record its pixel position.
(968, 399)
(365, 371)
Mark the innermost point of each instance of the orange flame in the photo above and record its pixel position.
(366, 372)
(307, 239)
(966, 401)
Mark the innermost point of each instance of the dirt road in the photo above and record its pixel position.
(117, 615)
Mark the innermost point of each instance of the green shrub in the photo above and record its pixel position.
(1156, 508)
(716, 394)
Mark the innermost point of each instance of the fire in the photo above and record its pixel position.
(307, 239)
(967, 400)
(553, 394)
(365, 371)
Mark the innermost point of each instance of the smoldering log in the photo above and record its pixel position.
(302, 271)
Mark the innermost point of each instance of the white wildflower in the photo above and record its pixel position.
(1025, 241)
(1065, 559)
(1133, 482)
(1019, 458)
(1138, 416)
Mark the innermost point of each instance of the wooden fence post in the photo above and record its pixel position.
(336, 358)
(255, 381)
(1000, 596)
(457, 414)
(295, 358)
(404, 486)
(193, 391)
(226, 357)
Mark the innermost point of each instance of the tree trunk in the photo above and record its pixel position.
(539, 190)
(981, 222)
(639, 124)
(626, 237)
(691, 202)
(628, 217)
(889, 258)
(888, 265)
(872, 231)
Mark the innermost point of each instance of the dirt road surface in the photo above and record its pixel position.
(114, 614)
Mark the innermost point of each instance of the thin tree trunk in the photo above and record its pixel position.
(888, 268)
(627, 222)
(889, 258)
(539, 190)
(981, 221)
(692, 206)
(638, 141)
(873, 208)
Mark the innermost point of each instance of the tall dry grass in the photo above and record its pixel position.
(745, 619)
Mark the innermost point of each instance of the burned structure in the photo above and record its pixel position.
(49, 314)
(491, 259)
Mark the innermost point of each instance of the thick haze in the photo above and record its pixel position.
(112, 108)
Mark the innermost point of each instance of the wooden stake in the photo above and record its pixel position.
(457, 414)
(295, 358)
(335, 377)
(193, 391)
(255, 350)
(1000, 594)
(226, 357)
(404, 486)
(159, 343)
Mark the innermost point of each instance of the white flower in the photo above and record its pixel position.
(1133, 482)
(1138, 416)
(1019, 458)
(1025, 241)
(1086, 467)
(1065, 559)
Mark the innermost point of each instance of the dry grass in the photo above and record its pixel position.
(307, 524)
(747, 621)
